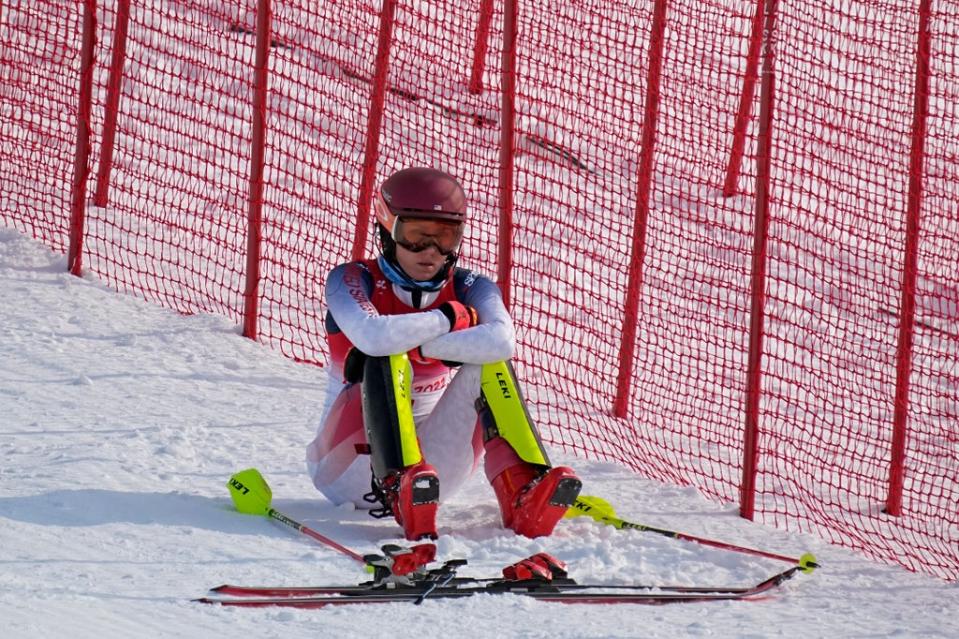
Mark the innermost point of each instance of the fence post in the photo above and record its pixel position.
(374, 122)
(734, 165)
(254, 231)
(907, 306)
(747, 488)
(634, 286)
(481, 45)
(504, 256)
(81, 168)
(115, 83)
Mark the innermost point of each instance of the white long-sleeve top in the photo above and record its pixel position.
(380, 318)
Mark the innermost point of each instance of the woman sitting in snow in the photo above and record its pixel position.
(420, 376)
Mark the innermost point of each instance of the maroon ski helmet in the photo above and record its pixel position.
(419, 192)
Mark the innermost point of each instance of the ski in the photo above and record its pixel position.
(491, 584)
(552, 591)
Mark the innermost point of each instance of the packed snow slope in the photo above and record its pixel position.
(120, 423)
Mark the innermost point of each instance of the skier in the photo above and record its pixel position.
(420, 378)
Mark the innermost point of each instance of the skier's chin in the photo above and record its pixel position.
(424, 272)
(420, 266)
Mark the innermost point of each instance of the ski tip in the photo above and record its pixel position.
(219, 588)
(807, 563)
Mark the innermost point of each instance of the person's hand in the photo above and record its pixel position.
(417, 357)
(460, 315)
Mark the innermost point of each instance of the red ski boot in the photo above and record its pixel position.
(415, 500)
(532, 500)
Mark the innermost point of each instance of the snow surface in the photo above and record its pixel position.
(121, 423)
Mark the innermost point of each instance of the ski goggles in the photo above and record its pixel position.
(416, 235)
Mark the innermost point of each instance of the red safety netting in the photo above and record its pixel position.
(626, 120)
(838, 235)
(168, 220)
(39, 81)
